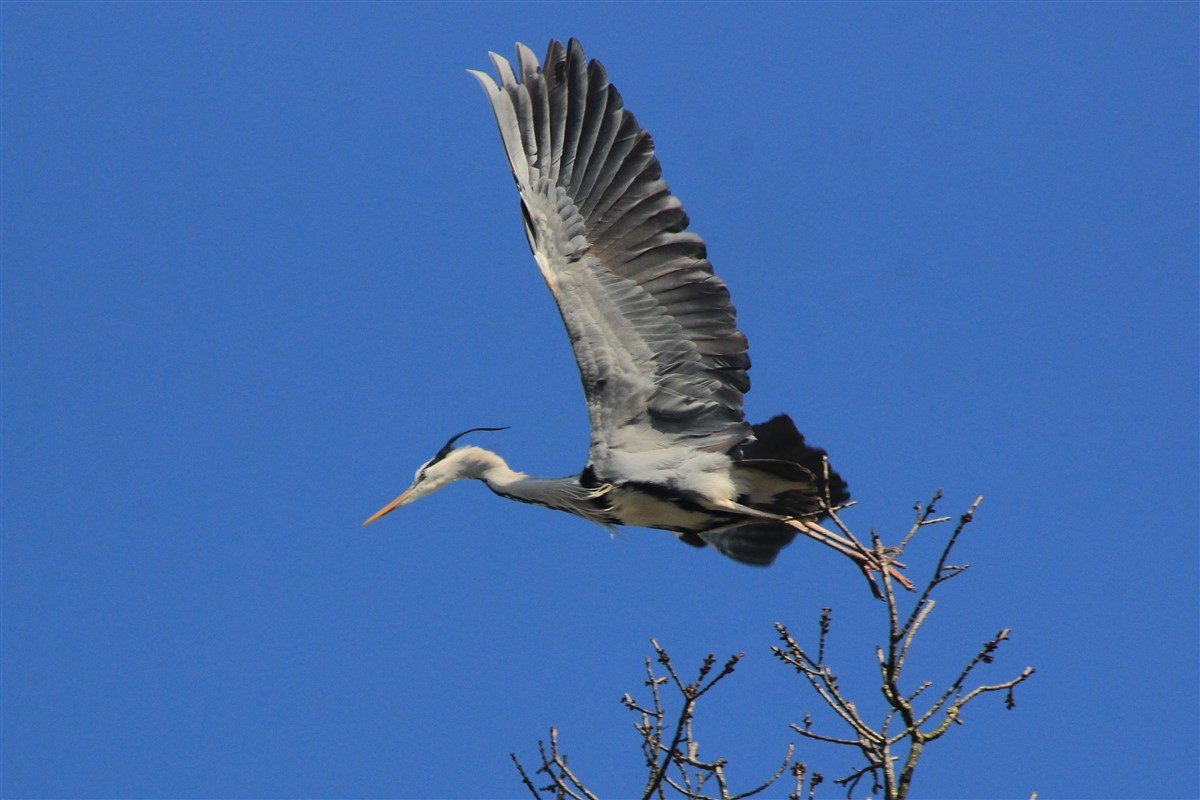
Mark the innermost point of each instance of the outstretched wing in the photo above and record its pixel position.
(662, 361)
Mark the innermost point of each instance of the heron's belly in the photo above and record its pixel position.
(644, 510)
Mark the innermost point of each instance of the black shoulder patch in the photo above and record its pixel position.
(588, 479)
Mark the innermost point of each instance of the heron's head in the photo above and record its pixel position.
(446, 467)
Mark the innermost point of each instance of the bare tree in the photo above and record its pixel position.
(891, 748)
(908, 726)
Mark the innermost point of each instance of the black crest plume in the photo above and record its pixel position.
(446, 448)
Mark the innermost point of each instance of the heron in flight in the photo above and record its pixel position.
(662, 361)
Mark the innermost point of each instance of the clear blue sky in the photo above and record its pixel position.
(260, 260)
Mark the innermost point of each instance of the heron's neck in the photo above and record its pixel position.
(484, 465)
(565, 494)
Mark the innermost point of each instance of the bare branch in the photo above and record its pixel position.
(787, 758)
(524, 778)
(808, 734)
(952, 713)
(559, 762)
(691, 693)
(852, 780)
(985, 656)
(891, 772)
(890, 752)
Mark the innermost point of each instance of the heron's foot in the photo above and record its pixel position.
(868, 561)
(868, 567)
(893, 568)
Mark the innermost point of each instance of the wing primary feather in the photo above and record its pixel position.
(554, 70)
(620, 169)
(593, 119)
(575, 83)
(540, 107)
(662, 362)
(507, 122)
(637, 219)
(602, 150)
(503, 69)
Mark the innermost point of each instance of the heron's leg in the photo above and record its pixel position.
(826, 537)
(846, 547)
(806, 526)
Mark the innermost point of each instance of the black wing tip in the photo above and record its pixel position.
(559, 59)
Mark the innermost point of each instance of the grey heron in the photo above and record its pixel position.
(662, 361)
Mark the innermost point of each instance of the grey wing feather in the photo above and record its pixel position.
(756, 544)
(655, 336)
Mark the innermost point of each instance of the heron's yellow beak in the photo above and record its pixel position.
(390, 507)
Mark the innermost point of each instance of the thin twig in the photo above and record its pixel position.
(524, 778)
(956, 708)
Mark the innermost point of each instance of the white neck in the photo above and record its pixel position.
(484, 465)
(564, 494)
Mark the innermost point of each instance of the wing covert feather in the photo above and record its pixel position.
(654, 333)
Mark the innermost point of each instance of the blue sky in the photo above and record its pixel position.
(261, 260)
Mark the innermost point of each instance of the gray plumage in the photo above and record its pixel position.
(654, 333)
(662, 361)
